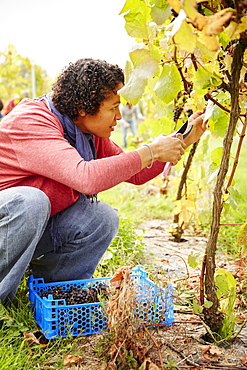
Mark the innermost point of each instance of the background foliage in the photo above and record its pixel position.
(16, 75)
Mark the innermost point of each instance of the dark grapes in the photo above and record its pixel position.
(189, 112)
(177, 112)
(75, 295)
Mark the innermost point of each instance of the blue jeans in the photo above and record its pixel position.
(25, 238)
(132, 128)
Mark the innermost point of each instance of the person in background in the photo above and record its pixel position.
(12, 102)
(56, 155)
(130, 114)
(1, 108)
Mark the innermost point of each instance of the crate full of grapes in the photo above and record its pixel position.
(78, 307)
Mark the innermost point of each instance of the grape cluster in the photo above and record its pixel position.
(75, 295)
(177, 112)
(189, 112)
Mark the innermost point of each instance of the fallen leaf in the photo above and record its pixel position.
(211, 352)
(119, 276)
(111, 366)
(148, 364)
(35, 337)
(72, 359)
(243, 359)
(215, 351)
(152, 366)
(166, 261)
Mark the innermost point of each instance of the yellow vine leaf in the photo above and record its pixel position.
(234, 29)
(198, 20)
(178, 207)
(211, 42)
(175, 4)
(208, 27)
(242, 239)
(185, 37)
(216, 21)
(190, 206)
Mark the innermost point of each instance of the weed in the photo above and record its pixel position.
(125, 249)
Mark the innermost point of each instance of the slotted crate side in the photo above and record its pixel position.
(154, 306)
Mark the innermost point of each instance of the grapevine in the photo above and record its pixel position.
(190, 53)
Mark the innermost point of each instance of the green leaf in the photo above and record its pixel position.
(203, 80)
(161, 126)
(216, 155)
(185, 37)
(147, 57)
(225, 282)
(169, 84)
(136, 20)
(192, 259)
(159, 3)
(224, 39)
(219, 121)
(159, 15)
(196, 307)
(129, 4)
(133, 91)
(145, 62)
(235, 197)
(208, 304)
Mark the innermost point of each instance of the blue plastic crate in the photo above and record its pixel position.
(154, 306)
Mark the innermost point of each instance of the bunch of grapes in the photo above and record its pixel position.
(177, 112)
(75, 295)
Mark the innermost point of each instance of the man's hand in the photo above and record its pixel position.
(198, 128)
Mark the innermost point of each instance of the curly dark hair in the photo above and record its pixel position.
(83, 85)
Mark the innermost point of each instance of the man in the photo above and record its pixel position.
(55, 156)
(130, 113)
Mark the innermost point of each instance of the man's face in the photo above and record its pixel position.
(103, 122)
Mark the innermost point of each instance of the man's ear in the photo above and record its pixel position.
(82, 113)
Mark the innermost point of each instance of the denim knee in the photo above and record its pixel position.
(36, 205)
(109, 220)
(24, 213)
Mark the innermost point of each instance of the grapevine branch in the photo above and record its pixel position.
(212, 314)
(182, 183)
(187, 84)
(209, 96)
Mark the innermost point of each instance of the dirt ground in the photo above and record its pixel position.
(182, 343)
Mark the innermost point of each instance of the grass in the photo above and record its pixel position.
(138, 203)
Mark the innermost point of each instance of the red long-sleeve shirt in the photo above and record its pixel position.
(34, 152)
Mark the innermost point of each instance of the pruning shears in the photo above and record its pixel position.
(181, 134)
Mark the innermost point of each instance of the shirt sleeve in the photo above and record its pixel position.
(38, 143)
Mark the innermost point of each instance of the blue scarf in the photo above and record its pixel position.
(84, 143)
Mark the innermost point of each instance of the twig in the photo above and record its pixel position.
(226, 366)
(177, 255)
(191, 363)
(155, 343)
(202, 278)
(118, 349)
(209, 96)
(240, 143)
(210, 332)
(188, 322)
(185, 359)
